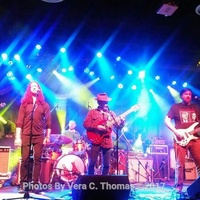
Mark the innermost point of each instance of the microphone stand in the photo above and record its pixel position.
(26, 194)
(117, 139)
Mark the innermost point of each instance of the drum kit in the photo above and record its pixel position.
(63, 166)
(66, 167)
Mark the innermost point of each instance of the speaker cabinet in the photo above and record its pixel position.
(161, 167)
(139, 169)
(194, 190)
(5, 158)
(90, 187)
(190, 170)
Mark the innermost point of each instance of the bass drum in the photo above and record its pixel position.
(69, 167)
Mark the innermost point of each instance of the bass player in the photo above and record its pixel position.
(99, 123)
(185, 134)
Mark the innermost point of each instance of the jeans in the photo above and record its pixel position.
(180, 153)
(106, 157)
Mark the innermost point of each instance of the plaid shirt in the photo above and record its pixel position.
(97, 117)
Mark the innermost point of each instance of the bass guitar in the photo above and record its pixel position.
(97, 136)
(187, 134)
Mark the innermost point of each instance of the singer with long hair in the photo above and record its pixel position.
(98, 124)
(33, 128)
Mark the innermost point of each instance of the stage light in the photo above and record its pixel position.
(141, 74)
(118, 58)
(28, 66)
(112, 77)
(4, 56)
(10, 75)
(64, 70)
(29, 77)
(151, 90)
(62, 50)
(197, 10)
(134, 87)
(185, 84)
(86, 70)
(39, 70)
(17, 57)
(167, 9)
(99, 54)
(130, 72)
(173, 82)
(70, 68)
(120, 86)
(157, 77)
(91, 73)
(38, 47)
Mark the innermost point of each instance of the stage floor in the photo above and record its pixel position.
(144, 191)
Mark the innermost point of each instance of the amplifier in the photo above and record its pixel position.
(157, 141)
(5, 158)
(190, 170)
(158, 149)
(140, 169)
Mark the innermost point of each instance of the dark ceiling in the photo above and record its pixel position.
(168, 46)
(129, 28)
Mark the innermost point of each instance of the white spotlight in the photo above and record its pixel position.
(197, 10)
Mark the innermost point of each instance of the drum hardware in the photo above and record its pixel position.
(68, 168)
(79, 146)
(59, 139)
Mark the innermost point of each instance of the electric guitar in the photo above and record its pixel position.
(97, 137)
(2, 105)
(187, 134)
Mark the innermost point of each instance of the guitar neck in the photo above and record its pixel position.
(126, 113)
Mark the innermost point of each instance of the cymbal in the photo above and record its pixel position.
(60, 139)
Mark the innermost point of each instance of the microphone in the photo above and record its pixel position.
(196, 97)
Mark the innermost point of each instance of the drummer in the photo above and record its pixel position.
(71, 133)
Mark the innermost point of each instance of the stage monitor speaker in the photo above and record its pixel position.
(90, 187)
(194, 190)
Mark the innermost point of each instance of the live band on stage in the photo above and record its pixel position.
(145, 164)
(149, 162)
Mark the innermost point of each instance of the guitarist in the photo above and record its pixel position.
(96, 123)
(184, 115)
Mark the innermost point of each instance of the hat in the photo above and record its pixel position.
(102, 97)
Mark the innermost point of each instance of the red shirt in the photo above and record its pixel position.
(40, 119)
(97, 117)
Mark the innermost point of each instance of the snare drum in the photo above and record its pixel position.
(69, 167)
(79, 147)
